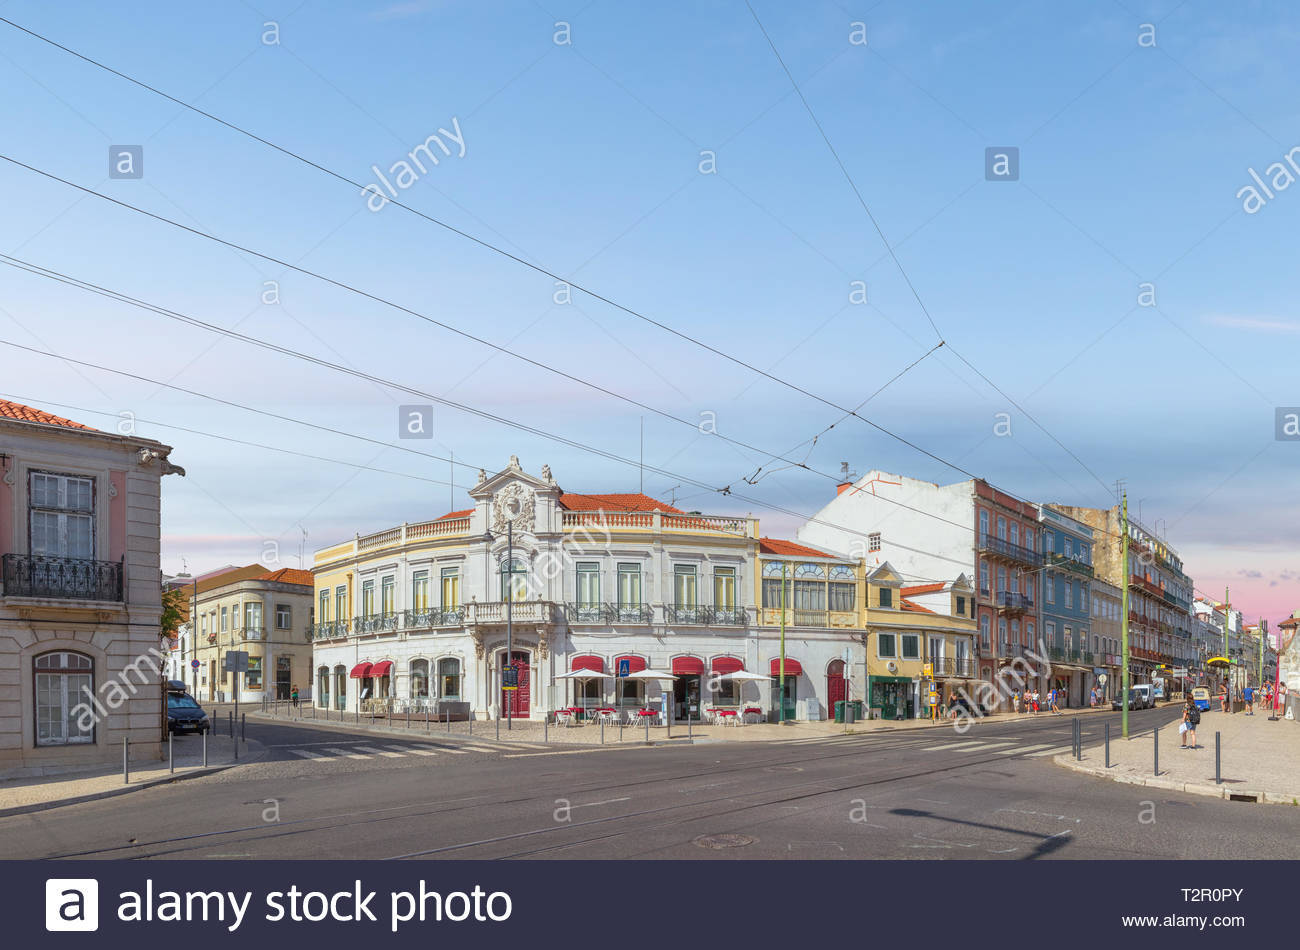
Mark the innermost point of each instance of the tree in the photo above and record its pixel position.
(175, 603)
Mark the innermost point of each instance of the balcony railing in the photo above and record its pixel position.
(377, 623)
(1003, 548)
(426, 618)
(953, 666)
(1008, 600)
(1070, 564)
(728, 616)
(62, 578)
(630, 613)
(686, 615)
(329, 630)
(249, 632)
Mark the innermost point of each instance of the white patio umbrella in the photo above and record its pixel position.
(584, 675)
(744, 676)
(649, 674)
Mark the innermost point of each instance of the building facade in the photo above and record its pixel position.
(80, 609)
(1066, 586)
(1106, 633)
(604, 583)
(266, 614)
(929, 532)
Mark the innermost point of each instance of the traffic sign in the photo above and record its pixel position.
(195, 664)
(624, 667)
(1180, 671)
(927, 670)
(1101, 679)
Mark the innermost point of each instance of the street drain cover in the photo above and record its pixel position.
(723, 841)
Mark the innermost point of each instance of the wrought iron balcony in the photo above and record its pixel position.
(728, 616)
(376, 623)
(249, 632)
(588, 613)
(1008, 600)
(631, 613)
(1070, 564)
(953, 666)
(61, 578)
(428, 617)
(686, 614)
(329, 630)
(1003, 548)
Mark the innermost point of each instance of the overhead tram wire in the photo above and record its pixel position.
(38, 269)
(529, 264)
(129, 300)
(893, 256)
(759, 504)
(230, 438)
(482, 243)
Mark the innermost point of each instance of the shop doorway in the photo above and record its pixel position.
(283, 671)
(784, 705)
(891, 697)
(686, 697)
(515, 703)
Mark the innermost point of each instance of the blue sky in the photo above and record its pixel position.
(584, 158)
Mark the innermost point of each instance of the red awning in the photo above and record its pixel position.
(727, 664)
(360, 670)
(792, 667)
(382, 668)
(688, 665)
(593, 663)
(634, 663)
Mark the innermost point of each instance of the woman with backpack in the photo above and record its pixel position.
(1191, 719)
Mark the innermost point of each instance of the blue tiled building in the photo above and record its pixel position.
(1065, 600)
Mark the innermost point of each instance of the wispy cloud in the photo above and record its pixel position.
(1254, 324)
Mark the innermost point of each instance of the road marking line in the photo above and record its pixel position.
(608, 801)
(410, 750)
(388, 755)
(308, 755)
(451, 751)
(978, 746)
(1024, 748)
(946, 745)
(344, 753)
(1052, 751)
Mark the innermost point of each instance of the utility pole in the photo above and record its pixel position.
(510, 630)
(1227, 670)
(1260, 631)
(780, 694)
(1123, 614)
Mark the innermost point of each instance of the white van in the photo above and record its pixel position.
(1145, 696)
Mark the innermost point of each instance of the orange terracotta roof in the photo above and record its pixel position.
(914, 608)
(456, 514)
(289, 575)
(624, 502)
(788, 548)
(923, 589)
(21, 413)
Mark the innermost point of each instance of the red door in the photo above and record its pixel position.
(834, 684)
(515, 702)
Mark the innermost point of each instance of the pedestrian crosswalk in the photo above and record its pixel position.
(322, 752)
(943, 746)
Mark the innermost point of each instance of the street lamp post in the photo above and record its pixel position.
(510, 598)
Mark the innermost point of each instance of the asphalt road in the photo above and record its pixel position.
(991, 793)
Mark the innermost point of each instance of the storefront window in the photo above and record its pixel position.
(449, 678)
(419, 679)
(253, 678)
(64, 699)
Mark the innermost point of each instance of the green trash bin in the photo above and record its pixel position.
(839, 711)
(856, 706)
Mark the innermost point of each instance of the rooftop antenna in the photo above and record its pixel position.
(672, 500)
(302, 545)
(642, 464)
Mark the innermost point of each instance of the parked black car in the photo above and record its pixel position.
(185, 715)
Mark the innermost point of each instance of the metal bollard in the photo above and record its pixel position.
(1218, 760)
(689, 735)
(126, 766)
(471, 722)
(205, 748)
(1107, 745)
(230, 723)
(449, 720)
(1155, 750)
(546, 728)
(243, 727)
(171, 759)
(498, 725)
(647, 729)
(602, 730)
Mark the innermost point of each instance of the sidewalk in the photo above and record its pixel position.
(590, 734)
(1260, 759)
(22, 795)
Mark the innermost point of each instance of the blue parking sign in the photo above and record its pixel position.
(624, 667)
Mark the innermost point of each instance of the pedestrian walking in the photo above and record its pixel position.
(1035, 702)
(1054, 697)
(1249, 697)
(293, 697)
(1015, 701)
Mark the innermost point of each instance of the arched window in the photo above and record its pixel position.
(419, 679)
(64, 691)
(514, 580)
(323, 687)
(809, 569)
(449, 678)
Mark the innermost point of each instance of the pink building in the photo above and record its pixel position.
(80, 601)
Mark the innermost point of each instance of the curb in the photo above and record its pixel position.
(1228, 793)
(171, 777)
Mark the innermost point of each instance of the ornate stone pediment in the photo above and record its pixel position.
(513, 502)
